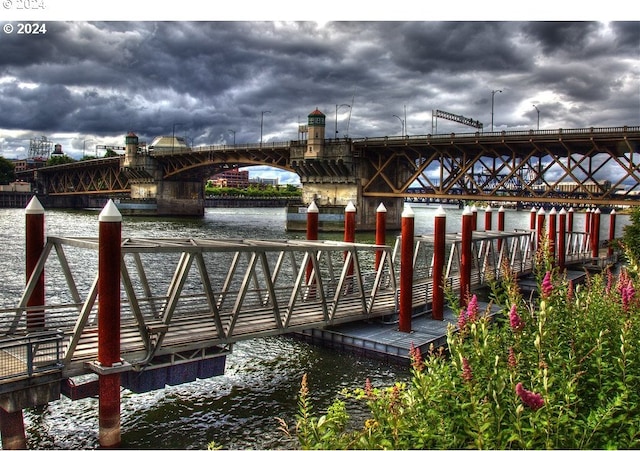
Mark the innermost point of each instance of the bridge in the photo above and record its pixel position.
(186, 301)
(587, 167)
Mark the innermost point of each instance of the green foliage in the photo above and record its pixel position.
(253, 191)
(7, 171)
(631, 235)
(62, 159)
(558, 373)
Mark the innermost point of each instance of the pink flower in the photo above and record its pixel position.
(472, 308)
(514, 319)
(547, 286)
(531, 399)
(467, 374)
(512, 361)
(416, 358)
(628, 292)
(462, 320)
(368, 388)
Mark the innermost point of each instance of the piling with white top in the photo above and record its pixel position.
(34, 222)
(465, 256)
(612, 232)
(562, 234)
(406, 270)
(439, 236)
(381, 231)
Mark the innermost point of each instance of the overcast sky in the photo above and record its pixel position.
(87, 83)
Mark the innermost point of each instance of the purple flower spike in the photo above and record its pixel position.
(531, 399)
(547, 286)
(514, 319)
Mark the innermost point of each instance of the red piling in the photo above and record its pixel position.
(34, 220)
(562, 232)
(474, 212)
(500, 224)
(350, 229)
(439, 234)
(381, 231)
(532, 218)
(595, 233)
(465, 256)
(406, 270)
(570, 220)
(12, 429)
(551, 233)
(540, 228)
(350, 223)
(487, 218)
(109, 255)
(612, 232)
(312, 231)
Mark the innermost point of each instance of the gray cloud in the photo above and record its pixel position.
(102, 79)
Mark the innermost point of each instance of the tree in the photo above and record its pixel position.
(63, 159)
(7, 171)
(631, 235)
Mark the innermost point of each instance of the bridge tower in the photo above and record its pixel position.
(332, 175)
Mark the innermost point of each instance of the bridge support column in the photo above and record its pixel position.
(34, 221)
(612, 232)
(595, 233)
(562, 234)
(440, 228)
(109, 256)
(465, 256)
(551, 233)
(406, 270)
(381, 231)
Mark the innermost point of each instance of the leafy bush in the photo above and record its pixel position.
(562, 371)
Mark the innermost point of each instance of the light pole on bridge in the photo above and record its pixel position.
(261, 124)
(173, 135)
(401, 122)
(335, 134)
(538, 111)
(234, 136)
(493, 94)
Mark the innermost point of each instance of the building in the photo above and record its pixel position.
(232, 178)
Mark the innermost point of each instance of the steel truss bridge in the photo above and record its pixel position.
(592, 165)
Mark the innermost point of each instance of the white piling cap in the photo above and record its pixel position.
(466, 211)
(474, 209)
(541, 211)
(381, 208)
(313, 208)
(597, 211)
(440, 212)
(570, 210)
(34, 207)
(553, 211)
(408, 212)
(563, 211)
(110, 213)
(613, 212)
(501, 209)
(350, 207)
(533, 209)
(488, 209)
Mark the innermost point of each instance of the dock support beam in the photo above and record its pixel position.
(439, 236)
(406, 270)
(34, 222)
(562, 234)
(465, 255)
(612, 232)
(109, 258)
(381, 231)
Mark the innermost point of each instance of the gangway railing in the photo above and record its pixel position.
(185, 297)
(33, 353)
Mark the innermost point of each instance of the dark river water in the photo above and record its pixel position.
(262, 377)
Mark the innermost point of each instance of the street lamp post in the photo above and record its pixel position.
(538, 116)
(335, 134)
(261, 124)
(493, 94)
(173, 135)
(401, 122)
(84, 146)
(234, 136)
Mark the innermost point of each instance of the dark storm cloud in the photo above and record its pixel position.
(203, 79)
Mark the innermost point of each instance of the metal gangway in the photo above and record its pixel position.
(185, 299)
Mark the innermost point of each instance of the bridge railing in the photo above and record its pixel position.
(34, 353)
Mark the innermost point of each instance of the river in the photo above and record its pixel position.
(262, 377)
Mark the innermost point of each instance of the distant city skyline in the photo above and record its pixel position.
(84, 84)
